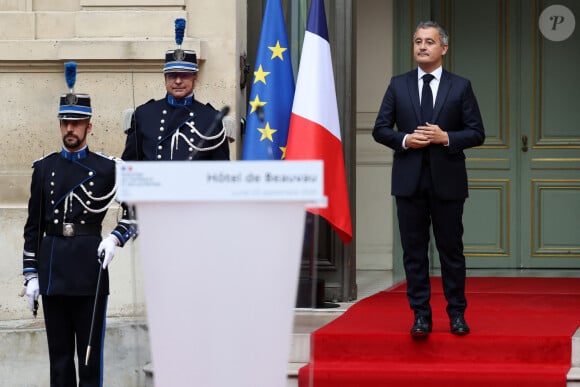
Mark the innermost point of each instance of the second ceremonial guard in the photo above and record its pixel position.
(177, 127)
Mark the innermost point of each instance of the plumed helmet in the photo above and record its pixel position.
(180, 60)
(73, 106)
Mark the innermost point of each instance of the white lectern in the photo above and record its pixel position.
(221, 245)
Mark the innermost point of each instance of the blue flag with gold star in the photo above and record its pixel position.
(272, 91)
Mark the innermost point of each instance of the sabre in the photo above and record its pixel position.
(95, 308)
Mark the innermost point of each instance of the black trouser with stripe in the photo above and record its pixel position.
(68, 324)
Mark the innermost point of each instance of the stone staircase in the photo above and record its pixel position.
(24, 356)
(574, 373)
(24, 353)
(308, 321)
(305, 322)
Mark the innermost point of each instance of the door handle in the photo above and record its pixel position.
(524, 143)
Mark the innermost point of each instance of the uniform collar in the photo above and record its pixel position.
(73, 156)
(179, 102)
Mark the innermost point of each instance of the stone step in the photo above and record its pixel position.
(23, 351)
(573, 376)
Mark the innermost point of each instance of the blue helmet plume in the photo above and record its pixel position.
(179, 31)
(70, 74)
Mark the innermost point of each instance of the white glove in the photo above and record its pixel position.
(107, 246)
(32, 291)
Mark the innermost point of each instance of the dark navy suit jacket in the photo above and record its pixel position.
(456, 111)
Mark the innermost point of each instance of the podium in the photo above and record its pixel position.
(221, 247)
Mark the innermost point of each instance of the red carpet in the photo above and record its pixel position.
(521, 330)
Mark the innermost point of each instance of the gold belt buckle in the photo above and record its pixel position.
(68, 229)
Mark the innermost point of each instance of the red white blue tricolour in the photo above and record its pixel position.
(314, 132)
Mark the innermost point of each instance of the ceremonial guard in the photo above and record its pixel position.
(65, 258)
(177, 127)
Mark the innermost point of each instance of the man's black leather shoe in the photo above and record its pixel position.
(459, 326)
(421, 327)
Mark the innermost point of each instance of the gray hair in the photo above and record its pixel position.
(431, 24)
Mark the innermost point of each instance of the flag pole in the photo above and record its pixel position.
(317, 284)
(311, 293)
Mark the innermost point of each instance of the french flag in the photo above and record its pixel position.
(314, 131)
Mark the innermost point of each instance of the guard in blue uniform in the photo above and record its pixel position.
(64, 252)
(177, 127)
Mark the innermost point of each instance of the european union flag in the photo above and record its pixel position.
(272, 92)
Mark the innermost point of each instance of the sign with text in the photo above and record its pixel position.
(150, 181)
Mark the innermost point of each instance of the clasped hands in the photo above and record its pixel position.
(425, 135)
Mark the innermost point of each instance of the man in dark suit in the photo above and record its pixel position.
(437, 117)
(70, 194)
(177, 127)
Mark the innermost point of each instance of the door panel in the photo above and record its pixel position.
(482, 58)
(550, 167)
(480, 37)
(488, 227)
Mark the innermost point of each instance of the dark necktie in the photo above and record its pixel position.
(426, 100)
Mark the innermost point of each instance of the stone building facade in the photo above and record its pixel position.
(119, 46)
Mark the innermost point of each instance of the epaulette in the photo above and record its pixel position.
(112, 158)
(43, 157)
